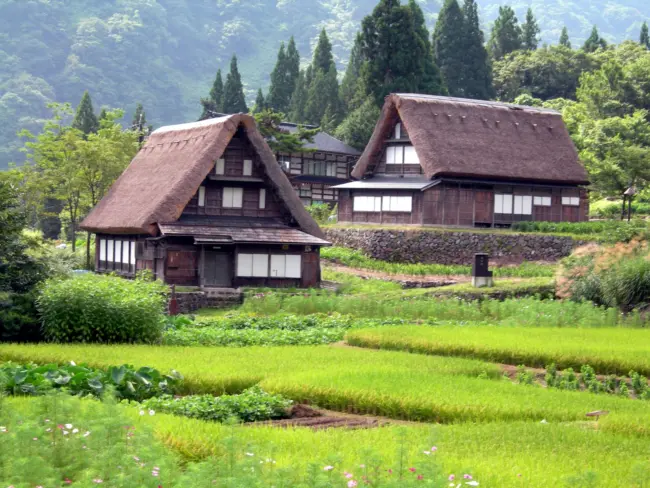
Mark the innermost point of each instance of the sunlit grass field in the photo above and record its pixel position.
(607, 350)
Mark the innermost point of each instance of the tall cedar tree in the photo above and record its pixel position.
(644, 39)
(564, 38)
(323, 91)
(594, 41)
(449, 46)
(530, 32)
(214, 103)
(85, 119)
(506, 34)
(139, 118)
(299, 96)
(293, 65)
(260, 104)
(233, 92)
(279, 96)
(478, 71)
(349, 92)
(397, 55)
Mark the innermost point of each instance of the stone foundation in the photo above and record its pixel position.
(191, 302)
(442, 247)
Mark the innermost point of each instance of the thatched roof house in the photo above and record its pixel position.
(206, 203)
(466, 162)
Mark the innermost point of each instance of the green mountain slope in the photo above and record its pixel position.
(164, 53)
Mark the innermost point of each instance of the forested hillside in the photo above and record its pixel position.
(164, 53)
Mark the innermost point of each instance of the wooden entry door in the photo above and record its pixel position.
(217, 269)
(483, 203)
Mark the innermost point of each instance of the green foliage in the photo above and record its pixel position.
(85, 119)
(260, 103)
(594, 41)
(125, 382)
(357, 128)
(233, 91)
(252, 405)
(214, 103)
(281, 140)
(448, 46)
(564, 38)
(19, 320)
(506, 35)
(602, 230)
(477, 81)
(530, 31)
(321, 212)
(352, 91)
(104, 309)
(644, 37)
(356, 259)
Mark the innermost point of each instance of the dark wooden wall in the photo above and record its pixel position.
(250, 204)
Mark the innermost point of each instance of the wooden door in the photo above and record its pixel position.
(217, 271)
(483, 204)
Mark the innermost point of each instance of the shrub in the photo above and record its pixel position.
(616, 276)
(252, 405)
(125, 381)
(19, 318)
(321, 212)
(102, 309)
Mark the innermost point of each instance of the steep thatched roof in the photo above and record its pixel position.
(168, 171)
(471, 138)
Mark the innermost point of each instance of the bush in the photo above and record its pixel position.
(125, 381)
(607, 230)
(321, 212)
(616, 276)
(612, 210)
(252, 405)
(19, 318)
(102, 309)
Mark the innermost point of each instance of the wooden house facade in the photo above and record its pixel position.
(314, 173)
(206, 204)
(468, 163)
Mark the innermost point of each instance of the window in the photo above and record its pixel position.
(285, 266)
(410, 156)
(201, 196)
(248, 167)
(542, 201)
(262, 198)
(523, 205)
(401, 155)
(285, 163)
(397, 204)
(319, 168)
(117, 255)
(502, 204)
(398, 131)
(220, 167)
(367, 204)
(571, 201)
(233, 197)
(257, 265)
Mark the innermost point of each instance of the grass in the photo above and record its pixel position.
(607, 350)
(356, 259)
(495, 454)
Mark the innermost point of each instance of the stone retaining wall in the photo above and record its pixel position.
(191, 302)
(446, 247)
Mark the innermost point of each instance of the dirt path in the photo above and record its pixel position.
(379, 275)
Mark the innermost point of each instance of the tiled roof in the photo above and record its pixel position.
(324, 142)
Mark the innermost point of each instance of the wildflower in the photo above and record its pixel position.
(362, 466)
(156, 468)
(35, 438)
(467, 476)
(98, 480)
(75, 431)
(250, 454)
(452, 477)
(3, 428)
(47, 420)
(87, 433)
(390, 471)
(154, 473)
(472, 483)
(352, 484)
(68, 426)
(136, 458)
(428, 453)
(519, 476)
(67, 481)
(544, 422)
(420, 477)
(48, 430)
(412, 470)
(65, 432)
(152, 412)
(348, 475)
(84, 447)
(434, 449)
(60, 426)
(72, 363)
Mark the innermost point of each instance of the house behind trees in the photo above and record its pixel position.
(206, 204)
(446, 161)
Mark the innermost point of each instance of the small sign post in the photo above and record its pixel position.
(481, 275)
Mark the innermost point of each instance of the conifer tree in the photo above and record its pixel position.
(477, 79)
(357, 128)
(449, 45)
(293, 66)
(299, 97)
(506, 34)
(279, 92)
(644, 39)
(260, 104)
(350, 86)
(430, 81)
(214, 103)
(323, 58)
(564, 38)
(85, 119)
(530, 32)
(233, 92)
(594, 41)
(139, 117)
(323, 93)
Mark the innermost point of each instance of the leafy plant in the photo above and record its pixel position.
(126, 381)
(104, 309)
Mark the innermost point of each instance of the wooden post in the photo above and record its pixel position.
(173, 303)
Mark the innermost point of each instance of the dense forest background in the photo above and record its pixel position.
(164, 53)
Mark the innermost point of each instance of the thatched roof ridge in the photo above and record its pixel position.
(456, 137)
(168, 170)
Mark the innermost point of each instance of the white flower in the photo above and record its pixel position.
(544, 422)
(250, 454)
(72, 363)
(48, 430)
(428, 453)
(152, 412)
(65, 432)
(141, 412)
(328, 468)
(68, 426)
(75, 431)
(87, 433)
(472, 483)
(3, 428)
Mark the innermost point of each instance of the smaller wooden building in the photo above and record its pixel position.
(454, 162)
(206, 204)
(314, 173)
